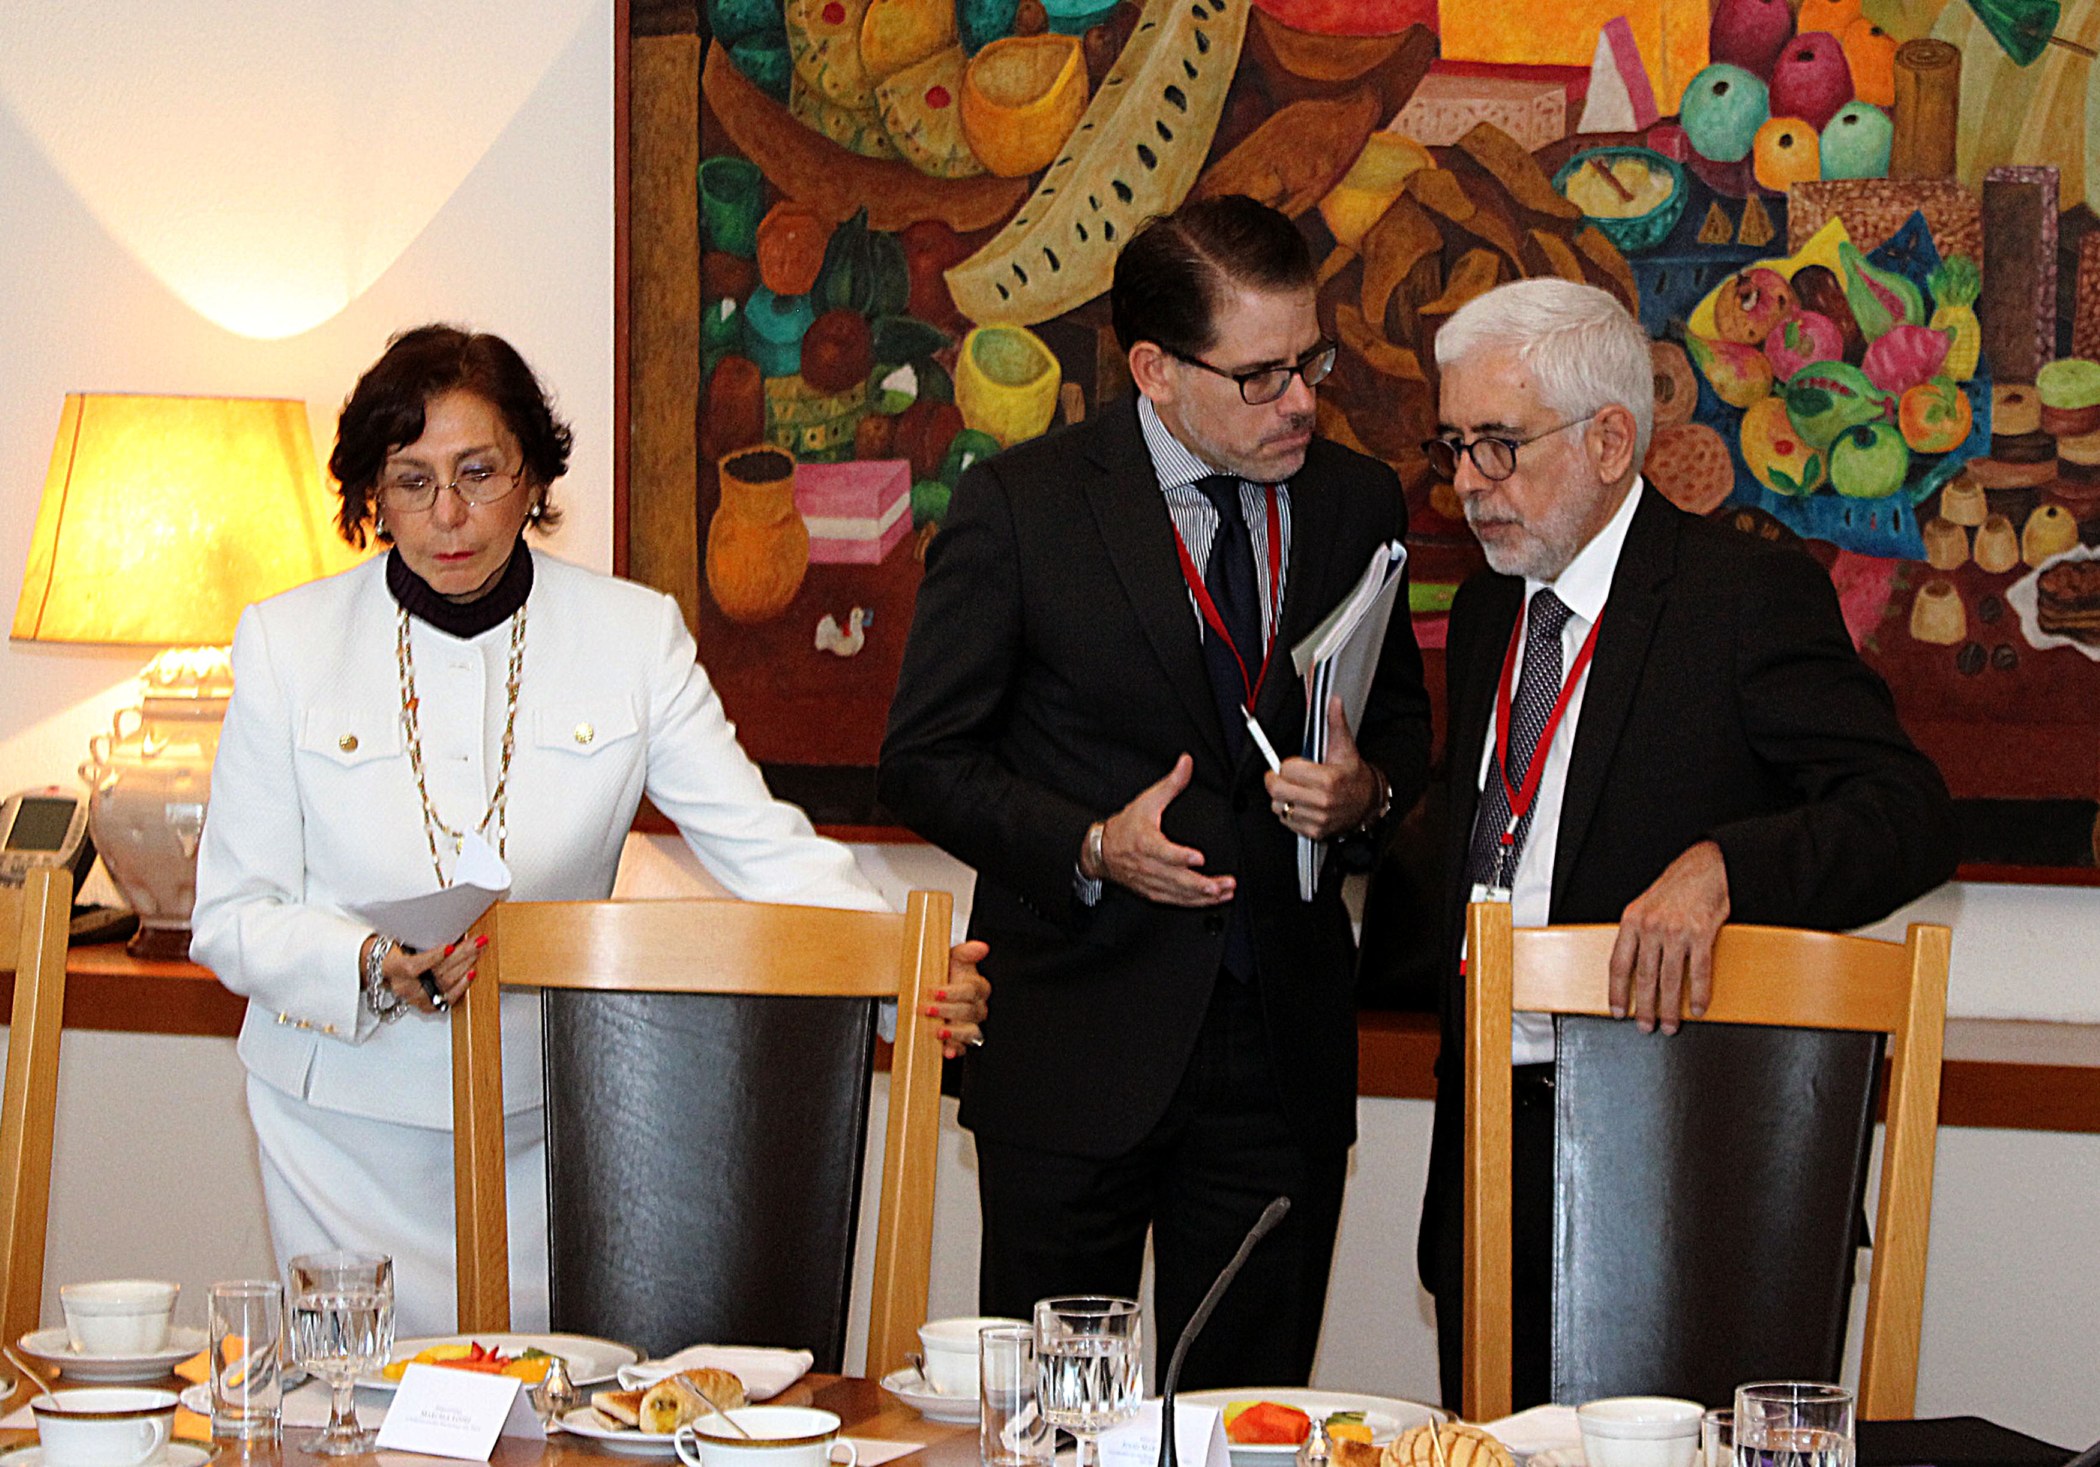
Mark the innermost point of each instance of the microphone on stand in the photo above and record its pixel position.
(1263, 1226)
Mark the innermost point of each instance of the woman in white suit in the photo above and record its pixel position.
(461, 683)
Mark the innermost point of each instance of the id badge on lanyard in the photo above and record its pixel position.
(1482, 892)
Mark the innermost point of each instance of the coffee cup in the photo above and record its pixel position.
(772, 1436)
(103, 1426)
(1640, 1431)
(118, 1316)
(950, 1347)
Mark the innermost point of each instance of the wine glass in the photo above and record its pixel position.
(1793, 1424)
(1087, 1364)
(342, 1328)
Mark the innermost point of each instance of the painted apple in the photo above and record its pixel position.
(1803, 337)
(1935, 416)
(1781, 459)
(1857, 142)
(1749, 33)
(1722, 110)
(1869, 461)
(1811, 79)
(1751, 304)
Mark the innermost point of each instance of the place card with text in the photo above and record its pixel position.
(456, 1413)
(1199, 1438)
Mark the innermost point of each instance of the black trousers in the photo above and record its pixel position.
(1531, 1247)
(1056, 1224)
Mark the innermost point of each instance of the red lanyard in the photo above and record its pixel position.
(1520, 797)
(1209, 608)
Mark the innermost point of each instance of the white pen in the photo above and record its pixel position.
(1261, 741)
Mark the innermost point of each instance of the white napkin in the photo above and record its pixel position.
(764, 1372)
(1540, 1429)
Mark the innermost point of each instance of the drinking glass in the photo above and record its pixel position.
(1717, 1438)
(342, 1327)
(1792, 1423)
(1087, 1366)
(1011, 1431)
(247, 1367)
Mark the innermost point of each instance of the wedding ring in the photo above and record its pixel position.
(1286, 809)
(975, 1041)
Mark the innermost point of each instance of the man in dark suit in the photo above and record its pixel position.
(1691, 738)
(1174, 1043)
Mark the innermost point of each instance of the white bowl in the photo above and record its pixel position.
(118, 1316)
(951, 1351)
(1640, 1431)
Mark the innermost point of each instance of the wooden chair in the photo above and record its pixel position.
(35, 921)
(1762, 975)
(718, 947)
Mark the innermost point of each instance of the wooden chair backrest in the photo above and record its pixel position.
(711, 946)
(35, 921)
(1762, 975)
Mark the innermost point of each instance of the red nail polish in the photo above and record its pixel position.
(470, 975)
(940, 993)
(448, 948)
(945, 1034)
(932, 1012)
(480, 943)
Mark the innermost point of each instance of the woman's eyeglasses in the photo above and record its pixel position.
(409, 491)
(1495, 458)
(1264, 385)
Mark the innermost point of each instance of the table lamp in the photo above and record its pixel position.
(161, 518)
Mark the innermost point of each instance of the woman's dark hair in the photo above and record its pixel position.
(1178, 268)
(385, 412)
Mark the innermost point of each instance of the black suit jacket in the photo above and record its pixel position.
(1054, 671)
(1726, 703)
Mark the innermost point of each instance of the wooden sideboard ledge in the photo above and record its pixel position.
(2003, 1073)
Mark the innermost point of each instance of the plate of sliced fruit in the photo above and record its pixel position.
(589, 1359)
(1264, 1426)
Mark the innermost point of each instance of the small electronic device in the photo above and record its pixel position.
(46, 827)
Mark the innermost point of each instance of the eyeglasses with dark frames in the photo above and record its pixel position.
(1494, 457)
(412, 491)
(1264, 385)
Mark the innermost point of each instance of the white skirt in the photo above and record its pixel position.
(339, 1181)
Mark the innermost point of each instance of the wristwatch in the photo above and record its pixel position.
(1381, 803)
(385, 1004)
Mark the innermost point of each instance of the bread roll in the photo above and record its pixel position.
(715, 1387)
(624, 1407)
(1463, 1446)
(668, 1405)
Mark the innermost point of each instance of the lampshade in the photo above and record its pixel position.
(163, 516)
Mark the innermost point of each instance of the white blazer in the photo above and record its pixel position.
(314, 809)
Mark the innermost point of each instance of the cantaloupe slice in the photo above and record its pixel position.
(1135, 153)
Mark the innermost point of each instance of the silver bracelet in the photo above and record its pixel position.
(385, 1004)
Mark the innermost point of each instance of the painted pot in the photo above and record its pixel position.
(757, 545)
(732, 197)
(1006, 382)
(774, 326)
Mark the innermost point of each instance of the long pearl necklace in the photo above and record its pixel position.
(499, 802)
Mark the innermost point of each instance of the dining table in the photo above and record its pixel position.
(862, 1407)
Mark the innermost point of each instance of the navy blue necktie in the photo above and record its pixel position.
(1229, 578)
(1489, 862)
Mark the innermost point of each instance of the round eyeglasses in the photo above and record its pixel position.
(1495, 458)
(1264, 385)
(410, 491)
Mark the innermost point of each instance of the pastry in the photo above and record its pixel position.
(2015, 408)
(716, 1388)
(2069, 392)
(1962, 502)
(1992, 473)
(2078, 457)
(1936, 616)
(2022, 448)
(623, 1407)
(2049, 531)
(1461, 1446)
(1946, 544)
(2067, 600)
(1997, 547)
(668, 1405)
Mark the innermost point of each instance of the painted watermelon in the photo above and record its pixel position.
(922, 109)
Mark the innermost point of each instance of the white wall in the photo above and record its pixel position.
(156, 1168)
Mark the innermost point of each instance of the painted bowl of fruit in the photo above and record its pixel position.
(1635, 195)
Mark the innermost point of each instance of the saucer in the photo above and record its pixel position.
(175, 1454)
(54, 1348)
(585, 1422)
(910, 1387)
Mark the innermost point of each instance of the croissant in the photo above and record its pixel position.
(668, 1405)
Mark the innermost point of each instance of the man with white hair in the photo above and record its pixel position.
(1652, 720)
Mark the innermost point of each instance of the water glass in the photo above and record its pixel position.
(1087, 1366)
(1717, 1438)
(247, 1359)
(1791, 1423)
(1011, 1431)
(342, 1328)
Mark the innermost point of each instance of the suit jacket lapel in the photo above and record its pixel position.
(1479, 660)
(1139, 535)
(1646, 562)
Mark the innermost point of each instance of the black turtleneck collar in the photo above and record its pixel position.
(463, 619)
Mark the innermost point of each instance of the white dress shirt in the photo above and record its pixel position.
(1582, 588)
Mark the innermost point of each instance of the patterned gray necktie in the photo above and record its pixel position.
(1489, 862)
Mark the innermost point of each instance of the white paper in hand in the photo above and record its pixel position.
(1199, 1438)
(479, 881)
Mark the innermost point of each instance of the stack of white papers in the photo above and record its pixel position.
(1339, 659)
